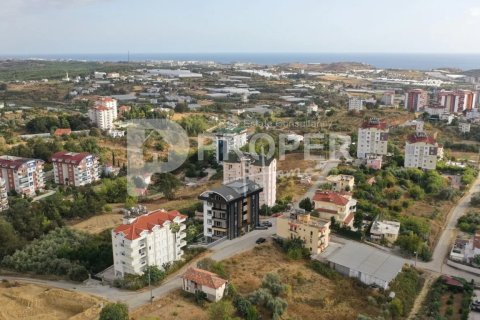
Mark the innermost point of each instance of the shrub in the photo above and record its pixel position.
(114, 311)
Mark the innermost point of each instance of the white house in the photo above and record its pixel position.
(149, 239)
(211, 284)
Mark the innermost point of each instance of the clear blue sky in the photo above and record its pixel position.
(157, 26)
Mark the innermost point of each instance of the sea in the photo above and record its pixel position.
(408, 61)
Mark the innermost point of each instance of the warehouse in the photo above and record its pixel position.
(368, 264)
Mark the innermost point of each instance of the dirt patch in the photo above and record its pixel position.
(27, 301)
(175, 306)
(97, 224)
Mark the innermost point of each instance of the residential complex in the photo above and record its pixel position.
(341, 182)
(314, 232)
(147, 239)
(339, 205)
(421, 151)
(23, 175)
(103, 113)
(231, 210)
(228, 140)
(3, 195)
(457, 101)
(211, 284)
(355, 104)
(256, 168)
(75, 169)
(372, 139)
(416, 99)
(388, 98)
(385, 231)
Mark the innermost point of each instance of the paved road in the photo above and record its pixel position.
(223, 250)
(448, 237)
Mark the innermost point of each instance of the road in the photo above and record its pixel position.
(135, 299)
(447, 237)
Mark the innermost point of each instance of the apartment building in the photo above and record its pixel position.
(457, 101)
(256, 168)
(104, 113)
(231, 210)
(355, 104)
(388, 98)
(421, 151)
(3, 195)
(23, 175)
(339, 205)
(341, 182)
(416, 99)
(147, 239)
(75, 169)
(314, 232)
(228, 140)
(372, 138)
(464, 127)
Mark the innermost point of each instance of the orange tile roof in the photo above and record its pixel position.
(62, 131)
(147, 222)
(203, 277)
(348, 219)
(338, 198)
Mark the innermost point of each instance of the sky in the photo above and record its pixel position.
(196, 26)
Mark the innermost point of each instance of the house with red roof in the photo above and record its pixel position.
(210, 283)
(340, 205)
(147, 239)
(62, 132)
(75, 169)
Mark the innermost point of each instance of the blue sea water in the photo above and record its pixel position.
(415, 61)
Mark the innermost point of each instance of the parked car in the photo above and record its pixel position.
(267, 224)
(260, 227)
(260, 240)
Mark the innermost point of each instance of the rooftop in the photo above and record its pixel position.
(382, 227)
(255, 159)
(203, 277)
(233, 190)
(12, 162)
(374, 123)
(69, 157)
(338, 198)
(421, 137)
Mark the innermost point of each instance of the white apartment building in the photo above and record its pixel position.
(75, 169)
(355, 104)
(150, 239)
(227, 140)
(23, 175)
(3, 195)
(104, 113)
(372, 139)
(421, 151)
(388, 98)
(312, 108)
(464, 127)
(257, 169)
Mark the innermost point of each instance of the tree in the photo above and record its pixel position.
(114, 311)
(166, 183)
(221, 310)
(9, 239)
(152, 275)
(306, 204)
(475, 201)
(476, 259)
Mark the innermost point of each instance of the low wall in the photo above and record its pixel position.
(463, 267)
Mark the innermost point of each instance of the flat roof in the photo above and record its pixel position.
(368, 260)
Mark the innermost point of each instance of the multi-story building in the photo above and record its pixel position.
(314, 232)
(355, 104)
(104, 113)
(372, 138)
(341, 182)
(231, 210)
(147, 239)
(23, 175)
(258, 169)
(228, 140)
(421, 151)
(436, 109)
(416, 99)
(75, 169)
(464, 127)
(3, 195)
(457, 101)
(388, 98)
(339, 205)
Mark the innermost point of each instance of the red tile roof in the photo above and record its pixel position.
(414, 138)
(349, 219)
(11, 162)
(203, 277)
(69, 157)
(451, 281)
(147, 222)
(382, 125)
(338, 198)
(62, 131)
